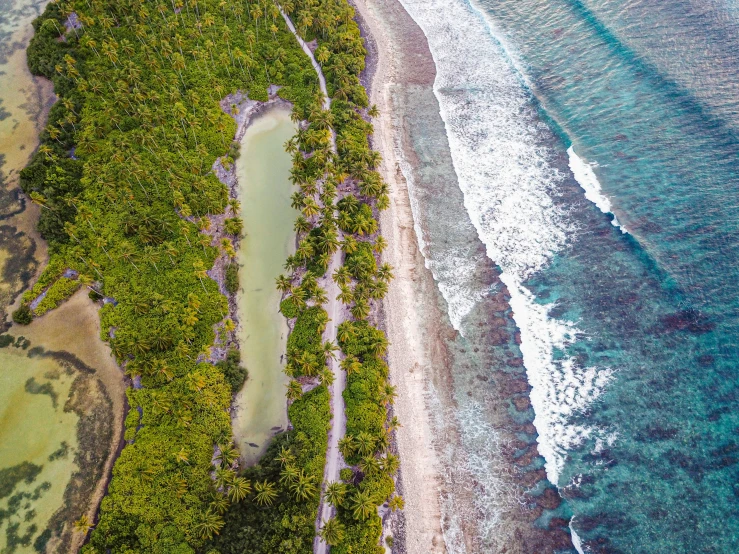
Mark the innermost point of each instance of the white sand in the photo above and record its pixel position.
(409, 346)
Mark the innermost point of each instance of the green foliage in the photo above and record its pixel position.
(123, 168)
(23, 315)
(361, 263)
(232, 278)
(51, 273)
(361, 536)
(289, 308)
(139, 88)
(233, 372)
(306, 338)
(287, 525)
(233, 226)
(62, 289)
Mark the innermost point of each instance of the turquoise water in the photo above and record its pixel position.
(597, 146)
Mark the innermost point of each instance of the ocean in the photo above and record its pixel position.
(596, 147)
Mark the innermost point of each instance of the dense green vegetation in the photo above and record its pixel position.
(125, 182)
(280, 514)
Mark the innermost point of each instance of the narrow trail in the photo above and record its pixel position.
(336, 313)
(316, 66)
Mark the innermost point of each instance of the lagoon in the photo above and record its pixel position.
(263, 170)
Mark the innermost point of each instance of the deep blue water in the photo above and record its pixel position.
(649, 91)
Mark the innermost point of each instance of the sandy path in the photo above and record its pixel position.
(336, 313)
(334, 459)
(409, 355)
(309, 52)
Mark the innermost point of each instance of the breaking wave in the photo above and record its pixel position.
(509, 184)
(587, 179)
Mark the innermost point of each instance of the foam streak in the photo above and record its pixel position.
(509, 187)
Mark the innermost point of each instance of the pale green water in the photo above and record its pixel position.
(263, 170)
(61, 398)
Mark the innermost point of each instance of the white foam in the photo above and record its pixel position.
(478, 467)
(509, 185)
(587, 179)
(452, 269)
(576, 542)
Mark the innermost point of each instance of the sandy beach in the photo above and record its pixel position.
(407, 327)
(465, 471)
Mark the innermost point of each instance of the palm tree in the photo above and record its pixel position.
(224, 477)
(360, 310)
(228, 455)
(349, 245)
(310, 208)
(385, 271)
(335, 492)
(220, 504)
(362, 505)
(284, 283)
(329, 350)
(351, 364)
(346, 332)
(373, 111)
(390, 464)
(302, 225)
(380, 244)
(289, 474)
(266, 493)
(396, 503)
(308, 363)
(387, 393)
(303, 488)
(294, 390)
(347, 446)
(83, 524)
(341, 276)
(365, 443)
(332, 532)
(239, 489)
(379, 345)
(286, 457)
(320, 297)
(346, 296)
(327, 377)
(382, 443)
(369, 465)
(210, 525)
(394, 424)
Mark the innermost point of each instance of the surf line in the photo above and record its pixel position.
(588, 181)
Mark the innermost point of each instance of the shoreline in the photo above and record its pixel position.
(417, 528)
(470, 464)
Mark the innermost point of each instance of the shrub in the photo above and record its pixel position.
(289, 308)
(233, 372)
(232, 278)
(23, 315)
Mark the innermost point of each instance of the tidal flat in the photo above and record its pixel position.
(61, 393)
